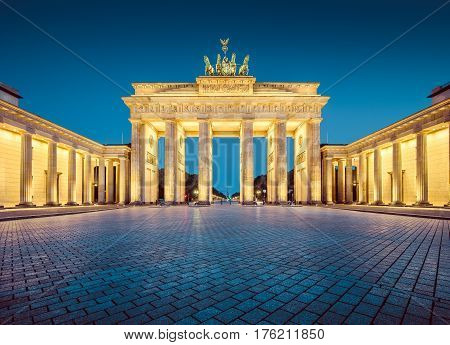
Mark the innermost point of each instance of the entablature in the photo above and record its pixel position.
(19, 120)
(429, 119)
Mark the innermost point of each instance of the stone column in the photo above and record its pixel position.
(362, 176)
(101, 181)
(281, 162)
(397, 174)
(377, 178)
(72, 178)
(448, 204)
(52, 175)
(246, 143)
(122, 180)
(135, 183)
(110, 193)
(341, 181)
(26, 172)
(205, 163)
(421, 170)
(329, 180)
(127, 181)
(143, 174)
(349, 181)
(170, 162)
(87, 180)
(314, 160)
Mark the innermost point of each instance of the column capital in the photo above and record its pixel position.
(203, 117)
(315, 120)
(418, 129)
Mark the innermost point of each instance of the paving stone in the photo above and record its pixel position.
(229, 315)
(254, 316)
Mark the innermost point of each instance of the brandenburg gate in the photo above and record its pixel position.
(225, 103)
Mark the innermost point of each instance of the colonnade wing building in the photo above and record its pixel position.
(42, 163)
(406, 163)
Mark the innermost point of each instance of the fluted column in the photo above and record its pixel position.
(52, 175)
(170, 162)
(135, 183)
(362, 177)
(397, 174)
(349, 181)
(246, 141)
(122, 180)
(281, 162)
(314, 162)
(421, 170)
(87, 186)
(377, 178)
(26, 172)
(329, 180)
(110, 193)
(101, 181)
(205, 163)
(341, 181)
(72, 178)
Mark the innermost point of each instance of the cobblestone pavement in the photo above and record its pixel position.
(225, 264)
(37, 212)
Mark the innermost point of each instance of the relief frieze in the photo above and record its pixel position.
(172, 108)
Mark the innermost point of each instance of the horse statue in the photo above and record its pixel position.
(233, 64)
(243, 70)
(218, 65)
(209, 70)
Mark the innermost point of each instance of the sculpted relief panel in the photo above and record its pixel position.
(223, 86)
(261, 108)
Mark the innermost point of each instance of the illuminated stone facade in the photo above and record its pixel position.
(42, 163)
(406, 163)
(234, 106)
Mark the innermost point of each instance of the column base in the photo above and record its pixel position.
(203, 203)
(315, 202)
(378, 203)
(101, 203)
(422, 204)
(397, 204)
(329, 203)
(136, 203)
(248, 203)
(72, 203)
(26, 204)
(362, 203)
(52, 204)
(1, 206)
(447, 205)
(87, 203)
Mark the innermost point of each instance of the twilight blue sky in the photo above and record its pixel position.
(165, 41)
